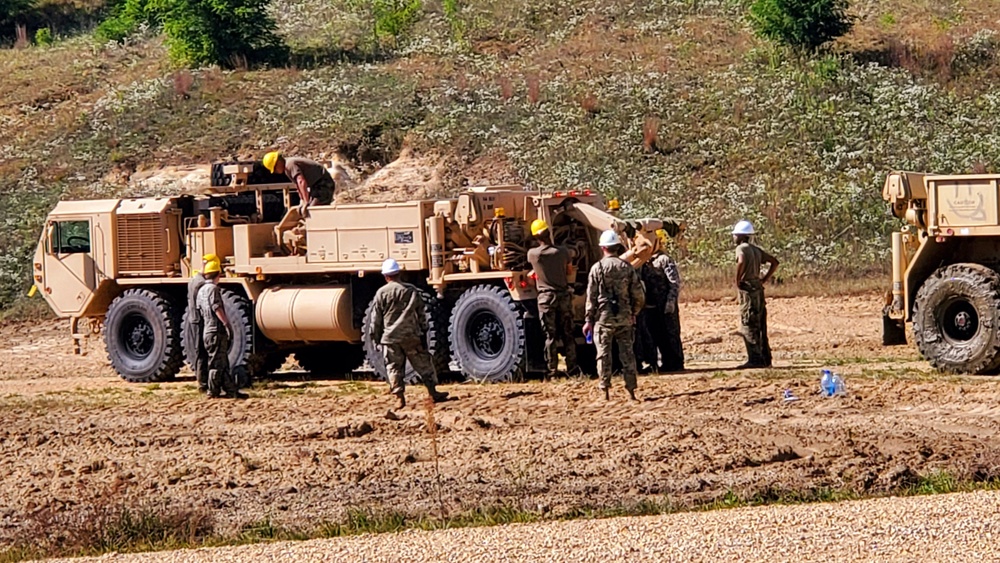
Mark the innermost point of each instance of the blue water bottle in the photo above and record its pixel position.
(827, 384)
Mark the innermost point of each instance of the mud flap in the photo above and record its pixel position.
(893, 331)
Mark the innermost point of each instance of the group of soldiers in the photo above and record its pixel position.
(633, 312)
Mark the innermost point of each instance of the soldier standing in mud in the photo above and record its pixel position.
(399, 324)
(217, 334)
(195, 324)
(555, 298)
(753, 309)
(614, 298)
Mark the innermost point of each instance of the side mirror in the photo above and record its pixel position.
(50, 233)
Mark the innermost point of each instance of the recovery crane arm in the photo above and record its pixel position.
(639, 235)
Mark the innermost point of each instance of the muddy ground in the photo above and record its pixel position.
(72, 434)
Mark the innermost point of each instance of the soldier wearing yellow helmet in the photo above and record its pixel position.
(555, 298)
(312, 181)
(217, 334)
(193, 329)
(662, 330)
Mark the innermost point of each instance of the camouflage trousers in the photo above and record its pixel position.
(646, 325)
(396, 355)
(220, 377)
(555, 308)
(200, 367)
(753, 324)
(605, 338)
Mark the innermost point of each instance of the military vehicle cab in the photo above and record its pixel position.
(945, 263)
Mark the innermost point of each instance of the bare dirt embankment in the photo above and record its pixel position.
(72, 434)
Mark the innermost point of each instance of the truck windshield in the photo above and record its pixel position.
(72, 237)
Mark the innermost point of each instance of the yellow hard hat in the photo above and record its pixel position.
(662, 235)
(213, 267)
(270, 159)
(613, 205)
(538, 226)
(210, 258)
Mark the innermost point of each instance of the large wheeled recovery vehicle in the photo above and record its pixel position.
(120, 268)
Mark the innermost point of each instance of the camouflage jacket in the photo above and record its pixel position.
(614, 293)
(398, 314)
(662, 280)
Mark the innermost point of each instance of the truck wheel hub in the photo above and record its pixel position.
(961, 322)
(138, 336)
(486, 333)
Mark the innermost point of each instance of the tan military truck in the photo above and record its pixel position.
(120, 267)
(944, 269)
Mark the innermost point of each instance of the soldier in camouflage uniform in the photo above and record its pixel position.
(614, 298)
(217, 335)
(399, 325)
(194, 328)
(753, 309)
(555, 299)
(667, 334)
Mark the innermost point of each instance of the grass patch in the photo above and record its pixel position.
(105, 529)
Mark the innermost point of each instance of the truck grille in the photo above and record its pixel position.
(141, 245)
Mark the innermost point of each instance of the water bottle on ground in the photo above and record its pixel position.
(838, 385)
(827, 385)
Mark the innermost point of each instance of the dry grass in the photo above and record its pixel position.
(702, 284)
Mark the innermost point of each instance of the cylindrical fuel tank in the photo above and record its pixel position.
(307, 314)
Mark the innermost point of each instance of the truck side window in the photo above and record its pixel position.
(72, 237)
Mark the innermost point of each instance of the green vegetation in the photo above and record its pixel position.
(674, 106)
(106, 528)
(804, 25)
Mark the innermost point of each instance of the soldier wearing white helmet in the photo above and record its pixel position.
(753, 309)
(614, 298)
(399, 325)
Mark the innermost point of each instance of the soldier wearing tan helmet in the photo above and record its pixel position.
(753, 309)
(193, 330)
(555, 298)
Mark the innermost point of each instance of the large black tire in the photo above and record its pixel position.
(956, 319)
(331, 359)
(437, 342)
(142, 334)
(244, 363)
(487, 335)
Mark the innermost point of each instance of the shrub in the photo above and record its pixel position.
(804, 25)
(126, 17)
(393, 18)
(44, 37)
(229, 33)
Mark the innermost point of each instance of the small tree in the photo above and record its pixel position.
(229, 33)
(804, 25)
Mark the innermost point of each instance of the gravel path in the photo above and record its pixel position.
(952, 528)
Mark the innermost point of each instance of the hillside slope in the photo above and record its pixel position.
(671, 105)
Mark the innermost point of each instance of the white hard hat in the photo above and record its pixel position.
(610, 238)
(390, 267)
(744, 227)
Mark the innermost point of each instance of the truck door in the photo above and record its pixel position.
(68, 265)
